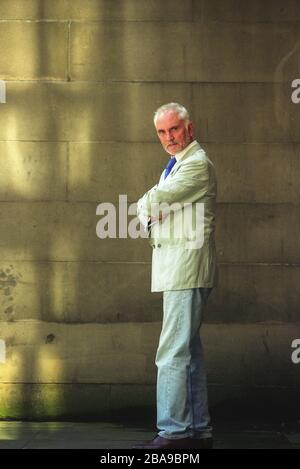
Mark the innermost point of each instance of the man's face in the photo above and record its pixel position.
(172, 132)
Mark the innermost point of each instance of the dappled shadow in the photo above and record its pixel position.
(71, 304)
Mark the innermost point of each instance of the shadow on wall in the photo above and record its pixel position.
(53, 273)
(67, 298)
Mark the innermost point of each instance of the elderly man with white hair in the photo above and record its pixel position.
(179, 214)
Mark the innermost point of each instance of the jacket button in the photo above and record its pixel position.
(159, 245)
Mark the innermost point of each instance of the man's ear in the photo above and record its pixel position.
(191, 129)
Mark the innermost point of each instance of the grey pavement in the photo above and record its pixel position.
(114, 435)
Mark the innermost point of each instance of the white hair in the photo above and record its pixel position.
(178, 108)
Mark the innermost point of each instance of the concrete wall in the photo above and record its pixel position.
(79, 325)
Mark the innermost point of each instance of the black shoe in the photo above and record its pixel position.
(175, 443)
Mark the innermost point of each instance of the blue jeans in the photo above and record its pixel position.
(182, 409)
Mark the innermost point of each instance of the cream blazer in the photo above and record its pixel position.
(184, 252)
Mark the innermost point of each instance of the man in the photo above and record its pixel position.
(184, 269)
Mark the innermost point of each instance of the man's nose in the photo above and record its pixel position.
(170, 136)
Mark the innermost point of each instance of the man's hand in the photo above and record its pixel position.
(161, 218)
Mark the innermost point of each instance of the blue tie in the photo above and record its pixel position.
(169, 166)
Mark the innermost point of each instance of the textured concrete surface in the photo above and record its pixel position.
(263, 112)
(80, 292)
(269, 11)
(246, 233)
(131, 10)
(32, 50)
(49, 367)
(82, 81)
(33, 171)
(204, 52)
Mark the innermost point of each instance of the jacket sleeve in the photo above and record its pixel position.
(142, 212)
(189, 184)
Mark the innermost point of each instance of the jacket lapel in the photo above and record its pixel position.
(181, 161)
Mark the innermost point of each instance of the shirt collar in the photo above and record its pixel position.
(181, 154)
